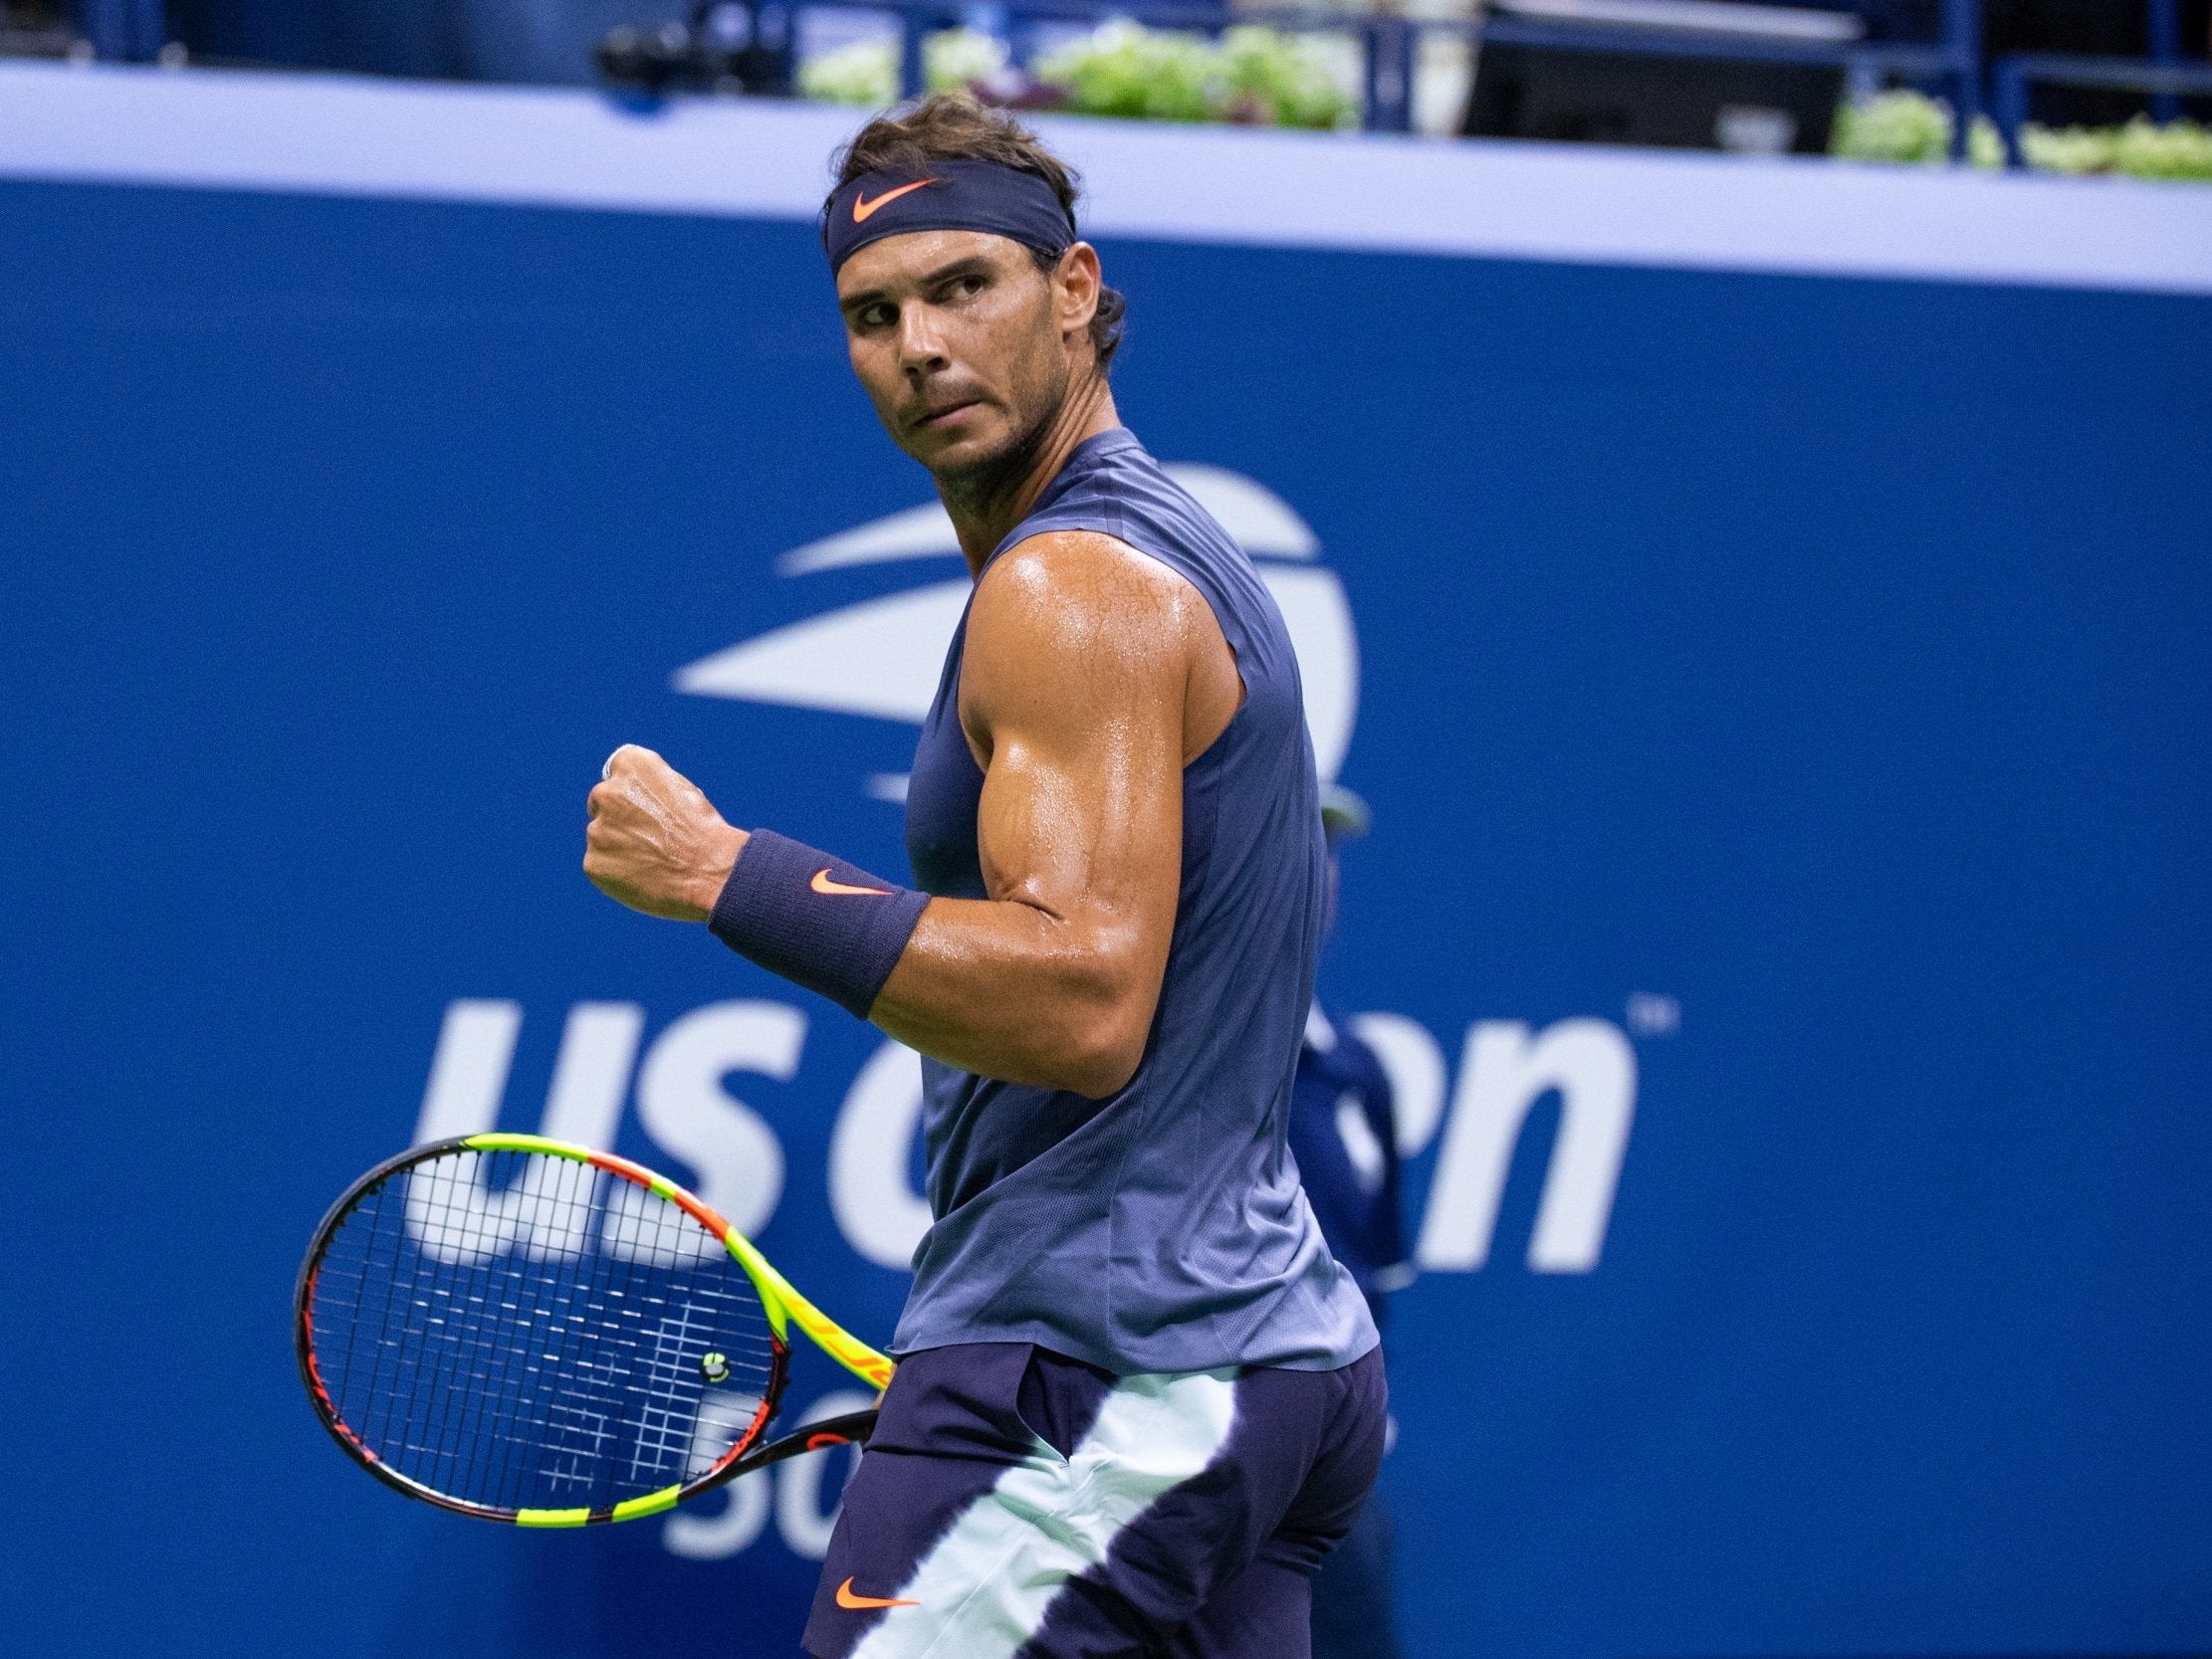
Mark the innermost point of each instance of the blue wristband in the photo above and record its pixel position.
(818, 921)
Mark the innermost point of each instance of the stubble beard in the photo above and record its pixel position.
(971, 485)
(974, 485)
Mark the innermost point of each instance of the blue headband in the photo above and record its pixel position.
(948, 196)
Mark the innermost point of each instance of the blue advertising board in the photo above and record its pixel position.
(1778, 668)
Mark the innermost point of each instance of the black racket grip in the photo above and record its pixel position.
(852, 1429)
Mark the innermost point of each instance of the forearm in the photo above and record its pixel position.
(1004, 987)
(1010, 990)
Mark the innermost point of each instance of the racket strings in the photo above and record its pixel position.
(519, 1330)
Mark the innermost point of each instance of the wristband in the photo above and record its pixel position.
(821, 923)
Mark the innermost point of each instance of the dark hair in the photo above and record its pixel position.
(952, 127)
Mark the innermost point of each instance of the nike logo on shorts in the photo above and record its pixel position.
(845, 1599)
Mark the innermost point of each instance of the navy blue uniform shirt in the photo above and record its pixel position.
(1345, 1140)
(1162, 1228)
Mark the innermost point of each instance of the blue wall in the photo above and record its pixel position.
(1824, 656)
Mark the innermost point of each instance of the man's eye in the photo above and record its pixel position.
(876, 316)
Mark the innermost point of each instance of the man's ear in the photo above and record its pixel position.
(1077, 283)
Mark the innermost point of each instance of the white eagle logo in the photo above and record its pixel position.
(882, 657)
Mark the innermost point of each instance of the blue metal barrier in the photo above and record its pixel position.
(1962, 33)
(1391, 47)
(2165, 48)
(124, 31)
(1391, 44)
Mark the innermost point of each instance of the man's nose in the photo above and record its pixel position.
(921, 344)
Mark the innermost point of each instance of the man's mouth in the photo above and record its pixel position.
(939, 416)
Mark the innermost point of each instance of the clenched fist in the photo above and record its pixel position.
(654, 840)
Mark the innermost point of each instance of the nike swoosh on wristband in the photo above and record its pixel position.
(823, 882)
(845, 1599)
(862, 207)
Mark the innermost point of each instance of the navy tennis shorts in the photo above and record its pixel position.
(1016, 1501)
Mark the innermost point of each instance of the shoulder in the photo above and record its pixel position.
(1082, 591)
(1062, 568)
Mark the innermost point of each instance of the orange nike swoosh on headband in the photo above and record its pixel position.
(845, 1599)
(862, 207)
(823, 882)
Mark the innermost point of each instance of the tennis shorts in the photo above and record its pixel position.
(1016, 1501)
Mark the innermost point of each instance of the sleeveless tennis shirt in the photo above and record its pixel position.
(1162, 1228)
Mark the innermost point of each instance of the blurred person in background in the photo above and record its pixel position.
(1345, 1140)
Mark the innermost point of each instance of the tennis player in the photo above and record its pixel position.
(1137, 1400)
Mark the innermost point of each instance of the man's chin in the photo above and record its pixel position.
(968, 457)
(978, 461)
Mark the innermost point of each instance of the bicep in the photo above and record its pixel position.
(1082, 826)
(1073, 692)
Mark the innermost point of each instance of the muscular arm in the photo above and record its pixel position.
(1092, 676)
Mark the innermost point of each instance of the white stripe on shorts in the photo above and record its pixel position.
(984, 1587)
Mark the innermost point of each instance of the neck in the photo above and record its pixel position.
(986, 507)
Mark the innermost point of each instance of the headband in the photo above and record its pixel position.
(947, 196)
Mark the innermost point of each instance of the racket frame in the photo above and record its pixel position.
(780, 1303)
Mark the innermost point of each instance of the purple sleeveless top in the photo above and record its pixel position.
(1163, 1228)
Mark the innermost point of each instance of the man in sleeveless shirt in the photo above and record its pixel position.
(1137, 1400)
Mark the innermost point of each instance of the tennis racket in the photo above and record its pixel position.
(531, 1332)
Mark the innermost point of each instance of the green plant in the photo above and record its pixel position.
(1122, 69)
(1911, 126)
(2141, 149)
(1252, 73)
(867, 72)
(1255, 74)
(1892, 126)
(2072, 150)
(1282, 80)
(2179, 150)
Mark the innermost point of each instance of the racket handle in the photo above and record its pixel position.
(852, 1429)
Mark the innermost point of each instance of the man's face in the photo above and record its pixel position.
(961, 342)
